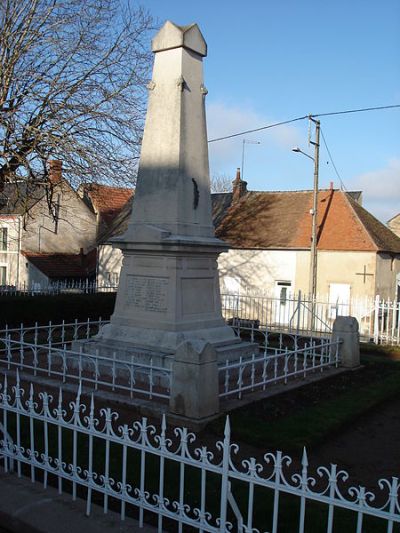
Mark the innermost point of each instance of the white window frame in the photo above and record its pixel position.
(5, 266)
(2, 240)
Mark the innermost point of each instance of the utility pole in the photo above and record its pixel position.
(314, 231)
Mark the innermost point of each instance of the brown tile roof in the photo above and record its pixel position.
(278, 220)
(384, 239)
(220, 204)
(107, 201)
(62, 266)
(267, 220)
(282, 220)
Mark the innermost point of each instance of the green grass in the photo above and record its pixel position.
(289, 505)
(313, 424)
(336, 407)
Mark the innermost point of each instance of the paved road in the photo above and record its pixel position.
(26, 507)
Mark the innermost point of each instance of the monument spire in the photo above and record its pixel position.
(169, 285)
(173, 185)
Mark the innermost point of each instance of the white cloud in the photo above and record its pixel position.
(381, 190)
(224, 120)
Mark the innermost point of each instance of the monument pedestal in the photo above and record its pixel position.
(168, 299)
(169, 294)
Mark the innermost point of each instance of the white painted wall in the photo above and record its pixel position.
(10, 258)
(257, 270)
(109, 263)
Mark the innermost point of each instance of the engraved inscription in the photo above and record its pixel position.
(146, 293)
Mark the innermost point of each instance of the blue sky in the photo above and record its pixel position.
(270, 61)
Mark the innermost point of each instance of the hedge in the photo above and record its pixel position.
(15, 310)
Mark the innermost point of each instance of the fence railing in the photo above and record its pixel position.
(171, 476)
(379, 319)
(57, 287)
(47, 351)
(54, 334)
(386, 329)
(280, 366)
(99, 372)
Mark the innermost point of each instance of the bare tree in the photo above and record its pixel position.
(221, 183)
(73, 75)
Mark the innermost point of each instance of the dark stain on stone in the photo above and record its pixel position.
(196, 194)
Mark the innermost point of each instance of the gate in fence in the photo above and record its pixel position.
(379, 319)
(167, 474)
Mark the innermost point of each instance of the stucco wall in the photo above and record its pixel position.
(76, 227)
(109, 264)
(388, 269)
(347, 267)
(10, 258)
(257, 270)
(394, 225)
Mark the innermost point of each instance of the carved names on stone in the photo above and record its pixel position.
(147, 293)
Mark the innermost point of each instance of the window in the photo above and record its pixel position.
(282, 290)
(3, 275)
(3, 239)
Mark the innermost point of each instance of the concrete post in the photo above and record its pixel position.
(194, 388)
(346, 329)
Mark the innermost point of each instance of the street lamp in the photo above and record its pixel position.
(314, 213)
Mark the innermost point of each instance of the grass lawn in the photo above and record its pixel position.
(311, 414)
(307, 416)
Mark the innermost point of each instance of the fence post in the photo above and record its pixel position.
(226, 450)
(345, 329)
(376, 319)
(194, 387)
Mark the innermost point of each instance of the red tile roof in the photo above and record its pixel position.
(282, 220)
(64, 265)
(107, 201)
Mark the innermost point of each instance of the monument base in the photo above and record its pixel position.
(138, 349)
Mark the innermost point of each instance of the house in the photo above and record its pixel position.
(38, 243)
(105, 201)
(394, 224)
(270, 237)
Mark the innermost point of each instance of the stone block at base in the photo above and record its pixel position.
(194, 388)
(345, 329)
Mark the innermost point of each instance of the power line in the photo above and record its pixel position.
(356, 110)
(333, 163)
(377, 108)
(258, 129)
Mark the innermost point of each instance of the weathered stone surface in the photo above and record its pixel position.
(194, 389)
(169, 285)
(346, 328)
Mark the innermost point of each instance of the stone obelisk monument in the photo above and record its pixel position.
(169, 286)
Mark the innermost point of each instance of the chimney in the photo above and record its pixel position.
(331, 186)
(55, 171)
(239, 187)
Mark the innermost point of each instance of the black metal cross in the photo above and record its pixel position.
(365, 273)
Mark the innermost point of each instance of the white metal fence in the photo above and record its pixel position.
(379, 319)
(184, 484)
(57, 287)
(46, 351)
(277, 366)
(54, 334)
